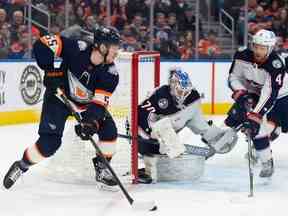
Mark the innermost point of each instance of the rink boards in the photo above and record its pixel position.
(21, 88)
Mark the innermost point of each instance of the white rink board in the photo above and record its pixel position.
(222, 91)
(200, 72)
(21, 77)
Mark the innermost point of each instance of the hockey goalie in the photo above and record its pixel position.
(168, 110)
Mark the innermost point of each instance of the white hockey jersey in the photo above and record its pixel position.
(268, 80)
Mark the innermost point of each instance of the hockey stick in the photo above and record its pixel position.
(190, 149)
(251, 174)
(138, 205)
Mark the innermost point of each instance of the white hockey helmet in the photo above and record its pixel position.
(180, 84)
(265, 38)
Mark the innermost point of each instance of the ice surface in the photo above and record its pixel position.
(223, 190)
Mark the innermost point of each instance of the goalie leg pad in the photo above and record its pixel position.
(168, 139)
(150, 167)
(223, 141)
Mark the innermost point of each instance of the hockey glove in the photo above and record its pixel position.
(245, 100)
(252, 124)
(53, 80)
(90, 123)
(85, 129)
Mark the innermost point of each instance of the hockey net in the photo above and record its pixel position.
(139, 74)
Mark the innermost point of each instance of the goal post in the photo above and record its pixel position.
(136, 58)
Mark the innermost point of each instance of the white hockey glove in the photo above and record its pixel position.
(223, 141)
(169, 141)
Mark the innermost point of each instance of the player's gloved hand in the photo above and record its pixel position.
(54, 79)
(244, 99)
(86, 129)
(252, 124)
(90, 122)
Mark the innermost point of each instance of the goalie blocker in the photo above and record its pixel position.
(168, 110)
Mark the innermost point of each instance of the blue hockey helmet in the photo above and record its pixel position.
(180, 84)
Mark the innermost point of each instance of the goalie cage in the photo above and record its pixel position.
(139, 74)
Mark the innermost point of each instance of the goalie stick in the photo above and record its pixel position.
(190, 149)
(137, 205)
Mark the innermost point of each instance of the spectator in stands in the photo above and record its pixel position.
(79, 16)
(17, 22)
(208, 47)
(162, 6)
(89, 24)
(137, 22)
(274, 10)
(130, 43)
(4, 46)
(144, 37)
(264, 3)
(3, 18)
(161, 30)
(252, 5)
(119, 17)
(16, 50)
(188, 21)
(186, 51)
(95, 7)
(173, 25)
(280, 24)
(178, 7)
(260, 21)
(59, 19)
(168, 50)
(84, 4)
(135, 7)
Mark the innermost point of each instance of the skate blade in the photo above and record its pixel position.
(104, 187)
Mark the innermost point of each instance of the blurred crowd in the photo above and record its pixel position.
(174, 24)
(262, 14)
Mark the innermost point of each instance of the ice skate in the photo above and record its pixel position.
(104, 178)
(13, 174)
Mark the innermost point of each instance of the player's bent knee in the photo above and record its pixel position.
(48, 144)
(108, 132)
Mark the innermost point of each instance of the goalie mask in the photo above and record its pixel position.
(180, 85)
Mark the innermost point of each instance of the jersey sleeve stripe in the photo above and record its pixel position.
(103, 92)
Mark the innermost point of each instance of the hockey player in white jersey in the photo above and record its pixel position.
(258, 79)
(168, 110)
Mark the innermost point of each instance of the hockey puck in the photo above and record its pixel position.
(154, 208)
